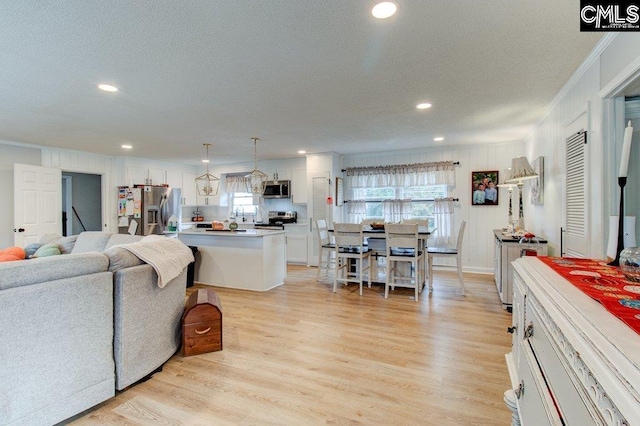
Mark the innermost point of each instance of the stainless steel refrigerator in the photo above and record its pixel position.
(146, 209)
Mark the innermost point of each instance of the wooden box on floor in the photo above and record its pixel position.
(202, 323)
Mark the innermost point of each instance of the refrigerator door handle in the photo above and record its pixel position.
(161, 209)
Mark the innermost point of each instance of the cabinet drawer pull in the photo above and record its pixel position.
(528, 332)
(519, 390)
(205, 331)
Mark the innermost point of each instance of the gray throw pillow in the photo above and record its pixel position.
(31, 249)
(65, 244)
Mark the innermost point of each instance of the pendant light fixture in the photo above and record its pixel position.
(207, 184)
(256, 179)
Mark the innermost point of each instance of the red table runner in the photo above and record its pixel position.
(603, 283)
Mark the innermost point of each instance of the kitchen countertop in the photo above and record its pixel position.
(251, 233)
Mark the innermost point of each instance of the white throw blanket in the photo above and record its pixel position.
(168, 256)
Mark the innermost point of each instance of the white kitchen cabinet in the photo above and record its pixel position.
(508, 249)
(174, 178)
(296, 237)
(157, 176)
(572, 361)
(189, 190)
(299, 186)
(139, 175)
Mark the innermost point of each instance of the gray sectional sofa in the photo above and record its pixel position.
(77, 327)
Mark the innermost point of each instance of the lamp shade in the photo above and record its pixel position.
(504, 180)
(521, 170)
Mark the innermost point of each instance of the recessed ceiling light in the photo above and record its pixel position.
(424, 105)
(384, 10)
(107, 87)
(205, 161)
(438, 139)
(302, 152)
(127, 146)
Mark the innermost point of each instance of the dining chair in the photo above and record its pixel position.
(326, 249)
(447, 253)
(420, 222)
(404, 245)
(350, 248)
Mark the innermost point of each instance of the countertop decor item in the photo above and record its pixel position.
(622, 182)
(502, 183)
(521, 170)
(630, 263)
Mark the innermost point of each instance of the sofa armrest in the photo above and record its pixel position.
(34, 271)
(56, 348)
(147, 321)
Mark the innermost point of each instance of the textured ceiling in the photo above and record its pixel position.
(319, 75)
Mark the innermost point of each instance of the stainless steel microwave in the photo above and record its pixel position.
(277, 189)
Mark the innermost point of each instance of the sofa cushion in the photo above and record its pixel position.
(120, 258)
(47, 250)
(43, 269)
(48, 238)
(32, 248)
(117, 239)
(12, 253)
(66, 244)
(91, 241)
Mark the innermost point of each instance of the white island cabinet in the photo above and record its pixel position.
(572, 362)
(251, 260)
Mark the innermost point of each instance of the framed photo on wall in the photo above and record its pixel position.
(484, 191)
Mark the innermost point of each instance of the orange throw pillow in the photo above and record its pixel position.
(12, 253)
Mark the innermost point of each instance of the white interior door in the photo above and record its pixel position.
(37, 203)
(576, 241)
(320, 190)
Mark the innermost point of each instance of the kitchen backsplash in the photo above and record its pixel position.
(220, 213)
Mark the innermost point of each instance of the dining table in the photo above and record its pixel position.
(376, 241)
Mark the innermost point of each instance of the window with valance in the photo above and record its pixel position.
(398, 192)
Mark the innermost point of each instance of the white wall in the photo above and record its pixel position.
(481, 220)
(612, 63)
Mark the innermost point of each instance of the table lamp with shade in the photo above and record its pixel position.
(521, 170)
(504, 177)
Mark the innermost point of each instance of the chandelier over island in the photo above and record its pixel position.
(207, 184)
(256, 179)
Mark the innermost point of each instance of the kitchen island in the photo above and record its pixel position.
(251, 259)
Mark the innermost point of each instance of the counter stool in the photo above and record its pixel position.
(325, 247)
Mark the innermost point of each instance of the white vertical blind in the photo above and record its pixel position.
(576, 203)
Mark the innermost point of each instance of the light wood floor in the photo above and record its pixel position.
(302, 355)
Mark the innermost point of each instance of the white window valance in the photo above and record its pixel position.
(418, 174)
(237, 183)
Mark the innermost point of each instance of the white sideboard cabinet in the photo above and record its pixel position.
(572, 362)
(508, 249)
